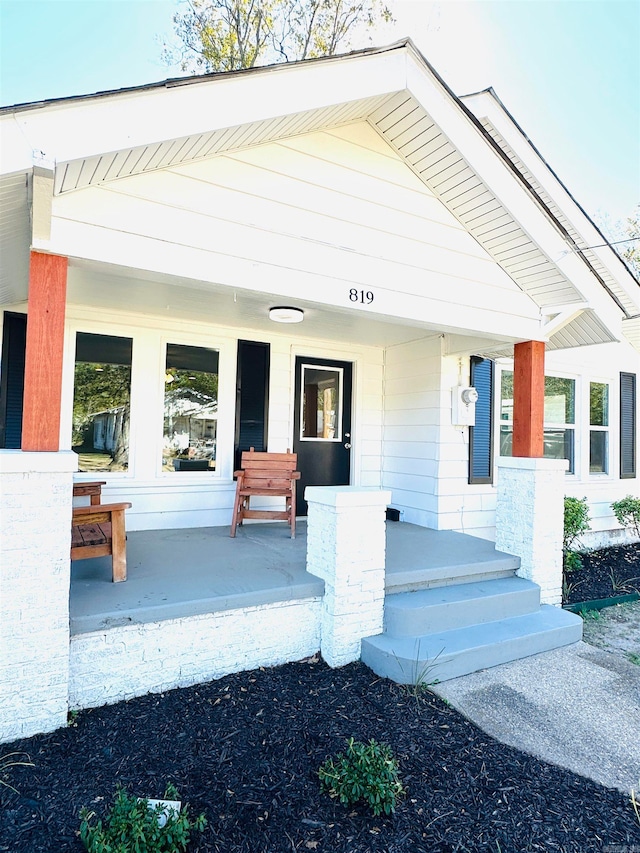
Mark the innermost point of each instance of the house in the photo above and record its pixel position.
(337, 256)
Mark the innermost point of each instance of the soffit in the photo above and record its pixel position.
(581, 245)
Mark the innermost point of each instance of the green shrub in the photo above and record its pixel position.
(627, 512)
(576, 522)
(132, 826)
(367, 772)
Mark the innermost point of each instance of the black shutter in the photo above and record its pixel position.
(252, 397)
(14, 339)
(481, 435)
(627, 425)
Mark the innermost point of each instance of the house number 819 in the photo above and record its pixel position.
(363, 296)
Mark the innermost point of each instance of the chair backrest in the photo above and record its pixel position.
(272, 471)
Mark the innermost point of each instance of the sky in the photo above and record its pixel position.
(567, 70)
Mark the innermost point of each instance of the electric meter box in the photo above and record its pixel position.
(463, 405)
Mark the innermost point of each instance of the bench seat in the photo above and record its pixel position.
(99, 531)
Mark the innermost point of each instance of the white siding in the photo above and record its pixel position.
(314, 215)
(411, 429)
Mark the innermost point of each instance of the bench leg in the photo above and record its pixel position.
(292, 509)
(118, 548)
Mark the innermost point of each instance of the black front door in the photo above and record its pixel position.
(322, 424)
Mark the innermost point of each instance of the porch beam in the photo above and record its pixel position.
(43, 354)
(528, 399)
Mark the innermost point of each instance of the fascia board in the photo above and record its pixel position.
(498, 175)
(115, 122)
(484, 105)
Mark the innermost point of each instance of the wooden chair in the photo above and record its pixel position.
(99, 531)
(91, 490)
(266, 475)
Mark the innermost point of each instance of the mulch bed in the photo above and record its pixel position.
(246, 749)
(606, 573)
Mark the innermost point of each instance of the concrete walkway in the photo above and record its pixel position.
(578, 707)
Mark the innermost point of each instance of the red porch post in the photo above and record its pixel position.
(528, 399)
(43, 356)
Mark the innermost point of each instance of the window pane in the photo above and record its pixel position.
(599, 404)
(559, 400)
(190, 409)
(101, 402)
(321, 402)
(506, 396)
(558, 444)
(598, 452)
(506, 440)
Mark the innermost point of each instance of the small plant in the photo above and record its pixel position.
(366, 772)
(576, 522)
(421, 674)
(635, 801)
(133, 825)
(634, 658)
(13, 759)
(590, 615)
(627, 513)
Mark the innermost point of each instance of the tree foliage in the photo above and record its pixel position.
(226, 35)
(631, 253)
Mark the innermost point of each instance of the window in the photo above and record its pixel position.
(190, 409)
(101, 402)
(598, 428)
(559, 417)
(627, 425)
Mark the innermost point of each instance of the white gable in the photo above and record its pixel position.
(278, 121)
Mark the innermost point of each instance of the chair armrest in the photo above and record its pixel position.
(80, 511)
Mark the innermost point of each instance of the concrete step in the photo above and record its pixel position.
(420, 558)
(429, 611)
(443, 655)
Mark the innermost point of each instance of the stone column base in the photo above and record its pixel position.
(346, 548)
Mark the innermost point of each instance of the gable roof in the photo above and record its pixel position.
(459, 154)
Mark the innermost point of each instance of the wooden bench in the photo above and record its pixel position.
(266, 475)
(99, 531)
(90, 489)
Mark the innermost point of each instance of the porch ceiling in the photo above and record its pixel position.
(109, 288)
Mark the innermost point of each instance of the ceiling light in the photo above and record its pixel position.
(286, 314)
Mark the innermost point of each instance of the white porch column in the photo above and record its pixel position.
(35, 539)
(346, 548)
(530, 519)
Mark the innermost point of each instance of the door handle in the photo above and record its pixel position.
(347, 445)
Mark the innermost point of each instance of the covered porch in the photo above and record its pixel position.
(173, 574)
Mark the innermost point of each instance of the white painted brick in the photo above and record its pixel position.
(346, 548)
(35, 538)
(120, 663)
(529, 520)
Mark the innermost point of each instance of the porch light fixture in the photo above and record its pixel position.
(286, 314)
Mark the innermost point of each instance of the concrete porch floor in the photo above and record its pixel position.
(175, 573)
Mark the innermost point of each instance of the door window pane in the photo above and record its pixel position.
(321, 403)
(101, 402)
(190, 409)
